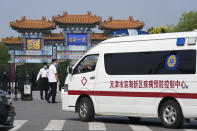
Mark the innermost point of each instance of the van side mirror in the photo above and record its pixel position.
(69, 70)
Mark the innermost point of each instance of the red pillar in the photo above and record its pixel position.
(12, 72)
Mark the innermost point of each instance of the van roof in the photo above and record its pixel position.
(143, 38)
(151, 37)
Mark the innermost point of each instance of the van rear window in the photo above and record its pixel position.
(157, 62)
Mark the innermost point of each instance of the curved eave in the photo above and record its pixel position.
(76, 23)
(98, 39)
(62, 39)
(104, 38)
(32, 28)
(9, 43)
(121, 25)
(120, 28)
(36, 27)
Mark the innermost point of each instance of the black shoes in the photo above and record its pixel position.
(48, 100)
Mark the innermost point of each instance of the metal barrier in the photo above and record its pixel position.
(12, 88)
(4, 81)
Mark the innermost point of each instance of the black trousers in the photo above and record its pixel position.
(53, 86)
(44, 86)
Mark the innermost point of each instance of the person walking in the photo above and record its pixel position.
(44, 84)
(53, 80)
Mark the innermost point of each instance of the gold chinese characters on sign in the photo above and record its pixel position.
(33, 44)
(74, 39)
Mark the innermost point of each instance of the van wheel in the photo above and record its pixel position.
(134, 119)
(86, 110)
(171, 115)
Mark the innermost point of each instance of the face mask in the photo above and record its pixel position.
(56, 65)
(45, 67)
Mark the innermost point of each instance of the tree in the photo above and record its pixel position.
(4, 58)
(62, 71)
(187, 22)
(32, 69)
(157, 30)
(28, 68)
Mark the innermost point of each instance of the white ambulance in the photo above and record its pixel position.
(136, 76)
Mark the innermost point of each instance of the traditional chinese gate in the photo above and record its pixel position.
(37, 44)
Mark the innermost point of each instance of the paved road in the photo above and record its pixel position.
(38, 115)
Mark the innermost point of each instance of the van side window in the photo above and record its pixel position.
(155, 62)
(87, 64)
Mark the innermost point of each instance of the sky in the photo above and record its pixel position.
(153, 12)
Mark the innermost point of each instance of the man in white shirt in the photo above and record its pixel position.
(44, 84)
(53, 80)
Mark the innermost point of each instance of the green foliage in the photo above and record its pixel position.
(32, 70)
(62, 71)
(157, 30)
(28, 68)
(4, 58)
(187, 22)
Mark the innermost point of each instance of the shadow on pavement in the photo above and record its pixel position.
(153, 122)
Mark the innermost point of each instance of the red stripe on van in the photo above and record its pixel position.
(134, 94)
